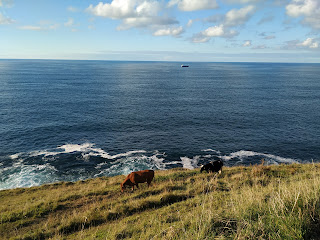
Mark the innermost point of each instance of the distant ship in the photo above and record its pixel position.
(184, 65)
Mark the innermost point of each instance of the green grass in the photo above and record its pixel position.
(256, 202)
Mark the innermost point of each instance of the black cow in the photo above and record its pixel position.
(215, 166)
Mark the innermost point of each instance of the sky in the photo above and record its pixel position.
(161, 30)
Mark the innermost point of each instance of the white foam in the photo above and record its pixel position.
(133, 162)
(20, 174)
(269, 157)
(190, 163)
(15, 156)
(211, 150)
(27, 175)
(86, 149)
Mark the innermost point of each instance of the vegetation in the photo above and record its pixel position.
(256, 202)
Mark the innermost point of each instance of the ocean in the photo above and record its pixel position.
(74, 120)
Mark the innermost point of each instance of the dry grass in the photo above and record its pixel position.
(257, 202)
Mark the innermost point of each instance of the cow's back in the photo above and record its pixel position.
(142, 176)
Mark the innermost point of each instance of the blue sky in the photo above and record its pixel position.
(156, 30)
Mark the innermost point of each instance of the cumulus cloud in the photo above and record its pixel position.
(219, 31)
(308, 9)
(173, 31)
(120, 9)
(247, 43)
(215, 31)
(244, 1)
(193, 5)
(234, 17)
(133, 13)
(145, 22)
(309, 43)
(239, 16)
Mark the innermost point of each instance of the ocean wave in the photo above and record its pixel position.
(242, 156)
(21, 175)
(72, 162)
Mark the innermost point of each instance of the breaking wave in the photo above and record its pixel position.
(72, 162)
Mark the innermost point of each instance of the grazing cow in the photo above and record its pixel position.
(215, 166)
(137, 177)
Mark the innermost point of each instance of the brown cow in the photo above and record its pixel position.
(137, 177)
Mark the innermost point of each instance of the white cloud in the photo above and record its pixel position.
(193, 5)
(120, 9)
(133, 13)
(145, 22)
(244, 1)
(308, 43)
(5, 20)
(215, 31)
(219, 31)
(234, 17)
(247, 43)
(239, 16)
(174, 31)
(309, 9)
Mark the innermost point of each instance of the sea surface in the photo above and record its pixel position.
(73, 120)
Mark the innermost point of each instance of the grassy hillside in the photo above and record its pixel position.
(257, 202)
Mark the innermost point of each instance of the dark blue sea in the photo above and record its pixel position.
(73, 120)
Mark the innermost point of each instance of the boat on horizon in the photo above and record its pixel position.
(184, 65)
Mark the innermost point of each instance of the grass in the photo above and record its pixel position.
(256, 202)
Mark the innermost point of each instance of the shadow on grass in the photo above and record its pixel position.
(312, 227)
(95, 218)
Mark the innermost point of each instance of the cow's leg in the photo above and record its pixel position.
(137, 185)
